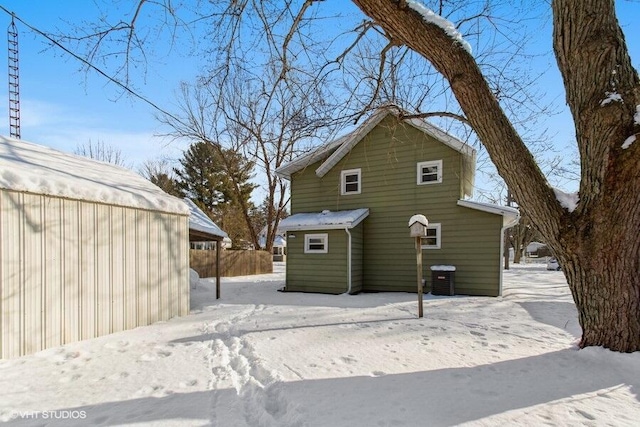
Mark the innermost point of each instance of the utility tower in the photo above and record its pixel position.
(14, 81)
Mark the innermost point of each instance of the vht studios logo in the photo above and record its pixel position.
(50, 415)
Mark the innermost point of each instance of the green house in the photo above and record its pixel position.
(351, 200)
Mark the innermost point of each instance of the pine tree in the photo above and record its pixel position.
(218, 181)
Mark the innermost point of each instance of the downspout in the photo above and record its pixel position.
(501, 257)
(349, 260)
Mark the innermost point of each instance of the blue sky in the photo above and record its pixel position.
(64, 107)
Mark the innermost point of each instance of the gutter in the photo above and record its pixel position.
(348, 260)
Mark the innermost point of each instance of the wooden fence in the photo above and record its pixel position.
(232, 262)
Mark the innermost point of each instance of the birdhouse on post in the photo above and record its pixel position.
(418, 229)
(418, 226)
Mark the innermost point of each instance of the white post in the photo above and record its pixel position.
(419, 264)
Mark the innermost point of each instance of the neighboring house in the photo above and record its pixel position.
(351, 200)
(536, 249)
(279, 244)
(86, 249)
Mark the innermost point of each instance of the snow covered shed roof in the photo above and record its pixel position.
(32, 168)
(201, 227)
(336, 150)
(510, 216)
(325, 220)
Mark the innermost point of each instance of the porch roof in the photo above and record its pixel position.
(325, 220)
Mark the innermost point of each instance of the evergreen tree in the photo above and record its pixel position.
(217, 180)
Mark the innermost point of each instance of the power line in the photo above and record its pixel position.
(90, 65)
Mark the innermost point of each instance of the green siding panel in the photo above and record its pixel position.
(317, 272)
(388, 157)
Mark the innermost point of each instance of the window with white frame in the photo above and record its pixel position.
(316, 243)
(433, 238)
(430, 172)
(351, 181)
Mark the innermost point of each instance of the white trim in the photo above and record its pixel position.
(343, 182)
(429, 164)
(325, 241)
(348, 260)
(510, 215)
(438, 228)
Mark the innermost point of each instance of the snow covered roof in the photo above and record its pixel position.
(510, 216)
(418, 218)
(325, 220)
(32, 168)
(199, 221)
(336, 150)
(278, 241)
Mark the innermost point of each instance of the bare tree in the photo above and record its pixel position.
(161, 173)
(263, 118)
(103, 152)
(597, 240)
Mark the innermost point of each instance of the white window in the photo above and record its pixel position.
(350, 182)
(430, 172)
(316, 243)
(432, 239)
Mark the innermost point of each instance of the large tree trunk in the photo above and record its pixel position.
(597, 244)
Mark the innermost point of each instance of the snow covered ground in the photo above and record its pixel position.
(258, 357)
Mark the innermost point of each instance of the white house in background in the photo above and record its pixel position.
(86, 249)
(279, 244)
(533, 247)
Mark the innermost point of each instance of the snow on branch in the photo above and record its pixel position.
(569, 201)
(636, 121)
(611, 97)
(432, 18)
(627, 142)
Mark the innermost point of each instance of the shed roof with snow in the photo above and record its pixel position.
(36, 169)
(201, 227)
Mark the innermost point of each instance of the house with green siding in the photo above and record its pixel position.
(351, 200)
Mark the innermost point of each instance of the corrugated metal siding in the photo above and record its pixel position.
(388, 157)
(317, 272)
(74, 270)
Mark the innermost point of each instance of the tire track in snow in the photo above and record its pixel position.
(233, 360)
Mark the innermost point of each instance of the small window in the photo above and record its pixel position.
(316, 243)
(432, 239)
(350, 181)
(430, 172)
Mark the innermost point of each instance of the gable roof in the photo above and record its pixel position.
(201, 224)
(36, 169)
(325, 220)
(336, 150)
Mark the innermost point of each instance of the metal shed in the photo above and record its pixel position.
(86, 249)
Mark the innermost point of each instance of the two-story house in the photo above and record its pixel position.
(351, 200)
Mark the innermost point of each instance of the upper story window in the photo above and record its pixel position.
(351, 181)
(430, 172)
(316, 243)
(433, 239)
